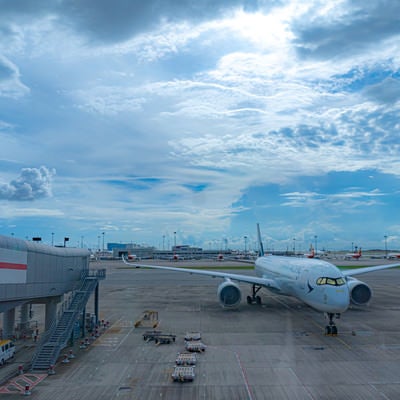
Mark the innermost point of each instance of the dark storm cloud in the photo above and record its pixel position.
(366, 24)
(33, 183)
(117, 20)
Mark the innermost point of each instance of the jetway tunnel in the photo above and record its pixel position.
(35, 273)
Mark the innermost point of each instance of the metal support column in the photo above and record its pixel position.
(96, 303)
(8, 323)
(51, 311)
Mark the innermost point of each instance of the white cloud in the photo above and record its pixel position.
(208, 100)
(10, 82)
(32, 184)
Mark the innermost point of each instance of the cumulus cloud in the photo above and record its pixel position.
(32, 184)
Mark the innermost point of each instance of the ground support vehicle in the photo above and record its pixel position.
(151, 335)
(183, 374)
(193, 336)
(195, 346)
(7, 350)
(186, 359)
(165, 339)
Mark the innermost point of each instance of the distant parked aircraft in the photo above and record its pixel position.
(355, 255)
(311, 254)
(393, 255)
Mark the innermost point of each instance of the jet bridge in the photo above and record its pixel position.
(34, 273)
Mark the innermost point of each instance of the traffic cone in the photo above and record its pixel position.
(27, 391)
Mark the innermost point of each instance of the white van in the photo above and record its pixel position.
(7, 350)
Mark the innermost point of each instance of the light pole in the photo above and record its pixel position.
(245, 244)
(52, 238)
(315, 238)
(294, 246)
(385, 246)
(175, 240)
(103, 240)
(163, 241)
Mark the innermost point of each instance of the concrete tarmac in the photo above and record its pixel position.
(274, 351)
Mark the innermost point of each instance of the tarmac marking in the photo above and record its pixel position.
(336, 337)
(18, 383)
(246, 382)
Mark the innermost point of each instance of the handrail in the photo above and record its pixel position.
(75, 305)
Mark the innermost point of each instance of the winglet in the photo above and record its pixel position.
(260, 245)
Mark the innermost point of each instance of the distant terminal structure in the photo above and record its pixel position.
(177, 252)
(35, 273)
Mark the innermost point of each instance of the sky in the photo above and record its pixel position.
(178, 121)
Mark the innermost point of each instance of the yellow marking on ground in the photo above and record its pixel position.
(336, 337)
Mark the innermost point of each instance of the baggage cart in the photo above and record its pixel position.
(165, 339)
(195, 346)
(186, 359)
(183, 374)
(193, 336)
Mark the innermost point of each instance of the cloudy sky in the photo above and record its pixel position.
(141, 119)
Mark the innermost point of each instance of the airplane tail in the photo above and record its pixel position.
(260, 245)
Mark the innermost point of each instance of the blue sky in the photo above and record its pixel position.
(141, 119)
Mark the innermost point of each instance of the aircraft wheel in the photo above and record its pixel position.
(249, 300)
(334, 330)
(328, 330)
(258, 300)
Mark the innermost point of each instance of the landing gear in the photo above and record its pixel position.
(253, 299)
(331, 329)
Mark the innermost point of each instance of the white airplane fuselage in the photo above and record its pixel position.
(317, 283)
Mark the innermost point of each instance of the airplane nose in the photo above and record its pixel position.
(342, 299)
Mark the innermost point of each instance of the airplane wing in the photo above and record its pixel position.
(268, 283)
(365, 270)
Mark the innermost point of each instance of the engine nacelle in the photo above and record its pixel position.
(229, 294)
(360, 292)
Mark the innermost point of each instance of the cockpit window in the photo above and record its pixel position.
(331, 281)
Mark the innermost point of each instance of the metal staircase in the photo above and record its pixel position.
(56, 338)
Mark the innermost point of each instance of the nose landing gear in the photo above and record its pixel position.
(331, 329)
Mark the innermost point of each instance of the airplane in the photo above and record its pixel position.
(393, 255)
(311, 254)
(355, 255)
(133, 257)
(317, 283)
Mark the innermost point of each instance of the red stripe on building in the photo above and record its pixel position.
(6, 265)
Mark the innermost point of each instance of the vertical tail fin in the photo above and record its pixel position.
(260, 245)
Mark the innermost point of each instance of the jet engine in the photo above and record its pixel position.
(360, 292)
(229, 294)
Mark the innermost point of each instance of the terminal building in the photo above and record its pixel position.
(184, 252)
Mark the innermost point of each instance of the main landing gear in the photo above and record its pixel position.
(331, 329)
(253, 299)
